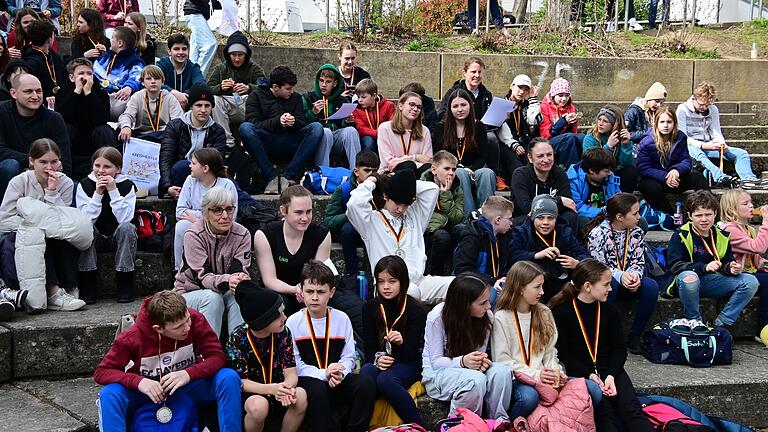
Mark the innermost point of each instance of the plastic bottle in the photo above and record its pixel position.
(753, 53)
(678, 218)
(362, 285)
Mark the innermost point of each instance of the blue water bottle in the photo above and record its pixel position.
(362, 285)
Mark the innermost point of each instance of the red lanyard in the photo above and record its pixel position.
(592, 348)
(622, 263)
(258, 357)
(51, 70)
(713, 250)
(378, 117)
(527, 353)
(155, 127)
(312, 336)
(399, 235)
(406, 151)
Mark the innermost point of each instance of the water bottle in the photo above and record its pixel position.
(678, 218)
(362, 285)
(237, 98)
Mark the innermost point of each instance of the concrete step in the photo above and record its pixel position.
(591, 108)
(726, 119)
(729, 132)
(753, 146)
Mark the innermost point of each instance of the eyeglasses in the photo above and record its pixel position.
(217, 211)
(413, 106)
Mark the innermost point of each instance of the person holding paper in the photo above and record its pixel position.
(466, 138)
(339, 135)
(523, 123)
(149, 110)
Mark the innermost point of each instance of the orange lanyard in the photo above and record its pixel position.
(554, 238)
(713, 250)
(387, 327)
(592, 348)
(51, 70)
(109, 67)
(516, 115)
(320, 364)
(406, 151)
(622, 263)
(495, 259)
(258, 357)
(325, 108)
(527, 353)
(155, 127)
(94, 43)
(400, 234)
(378, 117)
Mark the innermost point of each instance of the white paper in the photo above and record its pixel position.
(141, 163)
(497, 112)
(345, 111)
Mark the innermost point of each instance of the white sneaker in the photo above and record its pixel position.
(61, 301)
(610, 27)
(634, 25)
(272, 186)
(284, 183)
(17, 297)
(75, 292)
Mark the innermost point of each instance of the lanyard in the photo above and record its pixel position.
(621, 263)
(312, 336)
(460, 148)
(406, 151)
(399, 235)
(592, 348)
(713, 250)
(159, 359)
(94, 43)
(378, 117)
(325, 108)
(527, 353)
(494, 258)
(516, 115)
(387, 327)
(554, 238)
(155, 126)
(51, 70)
(258, 357)
(109, 67)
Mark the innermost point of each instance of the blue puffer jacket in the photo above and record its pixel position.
(637, 122)
(580, 190)
(650, 165)
(124, 72)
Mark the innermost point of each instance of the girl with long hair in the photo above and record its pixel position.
(455, 360)
(393, 334)
(591, 345)
(404, 140)
(145, 42)
(610, 132)
(90, 41)
(5, 56)
(17, 37)
(351, 73)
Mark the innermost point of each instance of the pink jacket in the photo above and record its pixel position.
(748, 250)
(569, 411)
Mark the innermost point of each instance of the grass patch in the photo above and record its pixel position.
(430, 43)
(580, 52)
(695, 54)
(638, 39)
(754, 31)
(549, 43)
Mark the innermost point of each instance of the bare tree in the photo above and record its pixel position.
(558, 12)
(519, 10)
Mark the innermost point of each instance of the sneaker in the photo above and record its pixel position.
(18, 298)
(61, 301)
(272, 187)
(727, 182)
(75, 292)
(285, 183)
(501, 185)
(634, 25)
(6, 310)
(635, 343)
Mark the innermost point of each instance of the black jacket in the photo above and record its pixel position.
(431, 118)
(37, 63)
(481, 102)
(263, 109)
(176, 143)
(525, 186)
(202, 7)
(524, 244)
(82, 44)
(17, 133)
(474, 159)
(411, 325)
(72, 107)
(473, 254)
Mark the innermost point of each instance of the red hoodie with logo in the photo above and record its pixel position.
(200, 354)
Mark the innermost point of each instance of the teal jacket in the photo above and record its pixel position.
(335, 100)
(622, 153)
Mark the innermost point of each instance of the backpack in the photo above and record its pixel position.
(153, 230)
(255, 215)
(184, 416)
(655, 261)
(688, 342)
(665, 418)
(657, 220)
(323, 180)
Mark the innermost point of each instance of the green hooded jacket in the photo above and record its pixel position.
(335, 100)
(449, 210)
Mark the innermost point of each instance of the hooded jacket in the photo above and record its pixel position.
(650, 164)
(473, 254)
(17, 133)
(264, 109)
(248, 73)
(553, 121)
(177, 143)
(525, 186)
(199, 354)
(606, 245)
(189, 76)
(125, 71)
(524, 243)
(481, 102)
(700, 127)
(748, 247)
(580, 190)
(637, 120)
(202, 7)
(367, 120)
(71, 106)
(335, 100)
(39, 63)
(449, 210)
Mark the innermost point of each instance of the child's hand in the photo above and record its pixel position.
(567, 262)
(174, 191)
(190, 217)
(395, 337)
(548, 253)
(594, 378)
(487, 363)
(108, 182)
(571, 204)
(714, 266)
(474, 360)
(125, 134)
(174, 381)
(625, 136)
(736, 268)
(613, 139)
(53, 179)
(444, 187)
(549, 376)
(498, 286)
(385, 362)
(152, 389)
(609, 387)
(318, 106)
(571, 118)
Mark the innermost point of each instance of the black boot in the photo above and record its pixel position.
(87, 283)
(125, 283)
(635, 343)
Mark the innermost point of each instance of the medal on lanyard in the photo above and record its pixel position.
(105, 82)
(387, 343)
(163, 414)
(398, 236)
(591, 348)
(313, 338)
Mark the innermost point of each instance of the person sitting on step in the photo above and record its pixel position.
(180, 73)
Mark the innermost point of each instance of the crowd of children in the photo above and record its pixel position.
(470, 289)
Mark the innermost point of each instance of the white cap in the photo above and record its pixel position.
(522, 80)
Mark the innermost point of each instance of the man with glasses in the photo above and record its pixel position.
(217, 255)
(699, 118)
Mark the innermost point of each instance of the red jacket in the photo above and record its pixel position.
(200, 354)
(551, 113)
(366, 122)
(110, 8)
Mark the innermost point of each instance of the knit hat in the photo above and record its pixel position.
(15, 64)
(258, 306)
(522, 80)
(401, 187)
(656, 91)
(237, 47)
(543, 205)
(200, 92)
(559, 86)
(610, 115)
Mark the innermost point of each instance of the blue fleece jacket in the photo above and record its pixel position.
(580, 190)
(124, 72)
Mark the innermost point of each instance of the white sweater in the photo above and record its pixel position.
(192, 192)
(505, 346)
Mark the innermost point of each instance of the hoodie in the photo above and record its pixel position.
(701, 128)
(449, 210)
(335, 100)
(189, 76)
(141, 347)
(124, 72)
(367, 120)
(41, 66)
(580, 190)
(473, 254)
(525, 186)
(248, 73)
(264, 109)
(553, 121)
(71, 106)
(637, 120)
(17, 133)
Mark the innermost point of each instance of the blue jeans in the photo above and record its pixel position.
(344, 141)
(646, 296)
(485, 186)
(739, 156)
(117, 403)
(762, 308)
(497, 19)
(9, 169)
(525, 399)
(740, 288)
(298, 147)
(393, 384)
(179, 172)
(368, 143)
(202, 43)
(567, 148)
(653, 11)
(350, 240)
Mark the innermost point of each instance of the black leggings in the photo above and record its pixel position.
(622, 408)
(653, 191)
(355, 394)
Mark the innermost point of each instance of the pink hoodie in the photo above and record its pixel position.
(746, 249)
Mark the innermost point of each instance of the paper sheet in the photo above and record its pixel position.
(345, 111)
(497, 112)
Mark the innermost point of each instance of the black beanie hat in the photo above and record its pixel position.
(200, 92)
(401, 187)
(258, 306)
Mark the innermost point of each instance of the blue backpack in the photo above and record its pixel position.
(184, 416)
(323, 180)
(657, 220)
(698, 346)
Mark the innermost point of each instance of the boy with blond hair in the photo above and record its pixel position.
(372, 110)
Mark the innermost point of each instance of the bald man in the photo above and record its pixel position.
(23, 119)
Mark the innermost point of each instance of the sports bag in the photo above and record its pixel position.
(665, 418)
(657, 220)
(323, 180)
(184, 417)
(153, 230)
(688, 342)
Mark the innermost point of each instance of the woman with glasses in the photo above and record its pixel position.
(283, 247)
(217, 255)
(404, 142)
